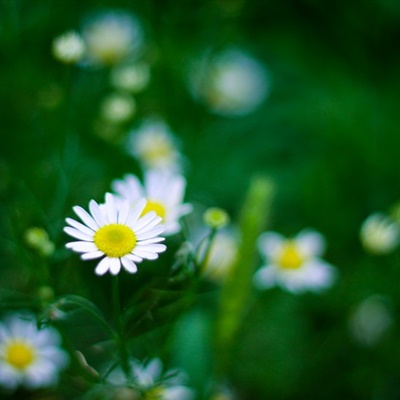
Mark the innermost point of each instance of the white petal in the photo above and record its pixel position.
(144, 254)
(149, 226)
(270, 244)
(151, 233)
(129, 265)
(86, 217)
(92, 255)
(98, 216)
(153, 240)
(135, 212)
(103, 266)
(111, 208)
(123, 212)
(78, 234)
(134, 258)
(82, 247)
(79, 226)
(311, 243)
(115, 265)
(143, 221)
(156, 248)
(320, 274)
(265, 277)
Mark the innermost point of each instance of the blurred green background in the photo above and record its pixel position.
(327, 136)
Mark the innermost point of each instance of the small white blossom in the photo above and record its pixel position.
(68, 48)
(294, 264)
(154, 145)
(230, 83)
(379, 234)
(29, 356)
(112, 37)
(132, 78)
(118, 108)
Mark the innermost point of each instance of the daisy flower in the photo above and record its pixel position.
(68, 48)
(154, 145)
(230, 83)
(294, 264)
(155, 383)
(117, 233)
(111, 37)
(164, 192)
(29, 356)
(379, 234)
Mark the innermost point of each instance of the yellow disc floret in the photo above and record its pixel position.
(155, 393)
(19, 354)
(155, 206)
(115, 240)
(290, 257)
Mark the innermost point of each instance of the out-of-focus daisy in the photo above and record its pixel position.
(154, 382)
(294, 264)
(132, 78)
(164, 192)
(38, 239)
(153, 144)
(29, 356)
(112, 37)
(118, 108)
(230, 83)
(117, 233)
(68, 48)
(370, 320)
(379, 234)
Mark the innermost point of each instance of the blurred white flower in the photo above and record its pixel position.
(379, 234)
(68, 48)
(164, 192)
(230, 83)
(370, 320)
(117, 233)
(294, 264)
(118, 108)
(38, 239)
(29, 356)
(132, 78)
(154, 145)
(112, 37)
(154, 382)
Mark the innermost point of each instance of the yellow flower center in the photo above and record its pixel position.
(154, 206)
(290, 257)
(115, 240)
(20, 355)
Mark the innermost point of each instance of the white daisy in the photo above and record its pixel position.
(29, 356)
(112, 37)
(154, 145)
(230, 83)
(117, 233)
(158, 385)
(68, 48)
(164, 192)
(379, 234)
(294, 264)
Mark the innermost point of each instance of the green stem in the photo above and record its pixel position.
(207, 251)
(120, 340)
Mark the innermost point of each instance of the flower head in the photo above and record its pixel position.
(117, 233)
(153, 144)
(118, 108)
(164, 192)
(154, 382)
(379, 234)
(68, 48)
(230, 83)
(131, 77)
(29, 356)
(294, 264)
(111, 37)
